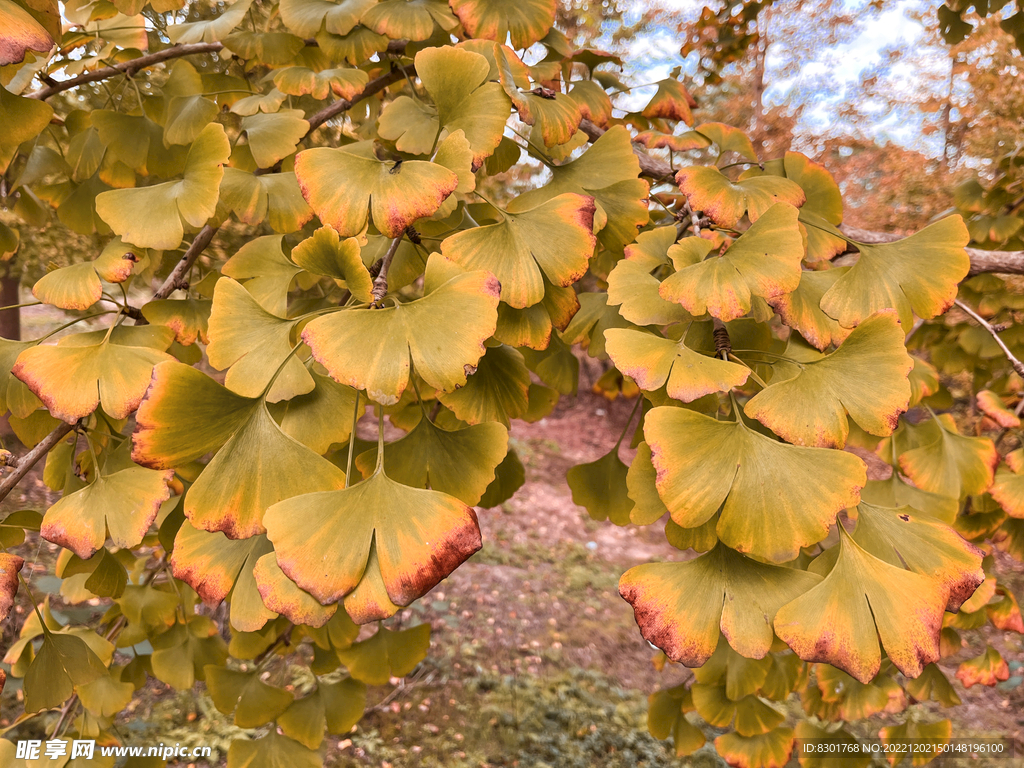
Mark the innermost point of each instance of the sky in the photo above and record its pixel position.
(825, 78)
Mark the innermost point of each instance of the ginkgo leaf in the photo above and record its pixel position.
(387, 654)
(271, 197)
(253, 702)
(258, 466)
(24, 119)
(917, 275)
(725, 201)
(764, 262)
(767, 750)
(458, 462)
(641, 487)
(217, 567)
(671, 101)
(904, 538)
(299, 81)
(313, 418)
(608, 172)
(390, 194)
(442, 334)
(600, 488)
(212, 30)
(413, 20)
(862, 599)
(10, 565)
(526, 22)
(73, 287)
(72, 378)
(683, 607)
(155, 216)
(267, 272)
(554, 240)
(281, 595)
(324, 253)
(654, 362)
(897, 492)
(594, 103)
(252, 344)
(272, 751)
(123, 504)
(633, 288)
(774, 497)
(865, 380)
(335, 706)
(421, 536)
(273, 136)
(950, 464)
(188, 318)
(22, 33)
(62, 663)
(457, 80)
(1008, 485)
(993, 406)
(800, 310)
(987, 669)
(307, 17)
(555, 116)
(499, 389)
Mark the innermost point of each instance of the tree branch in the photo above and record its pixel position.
(380, 282)
(1018, 366)
(126, 68)
(29, 460)
(1006, 262)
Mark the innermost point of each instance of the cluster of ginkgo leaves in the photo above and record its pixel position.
(433, 206)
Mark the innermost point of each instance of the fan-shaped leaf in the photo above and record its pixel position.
(527, 22)
(326, 254)
(671, 101)
(387, 654)
(253, 702)
(307, 17)
(725, 201)
(600, 488)
(683, 607)
(948, 463)
(273, 136)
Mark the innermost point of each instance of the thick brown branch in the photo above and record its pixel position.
(126, 67)
(1006, 262)
(1018, 366)
(29, 460)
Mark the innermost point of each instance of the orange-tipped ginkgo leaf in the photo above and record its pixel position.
(20, 32)
(216, 567)
(1008, 486)
(280, 594)
(391, 194)
(421, 536)
(527, 21)
(553, 240)
(865, 380)
(442, 334)
(917, 275)
(766, 750)
(122, 504)
(763, 262)
(683, 607)
(671, 101)
(155, 216)
(555, 116)
(654, 362)
(774, 497)
(905, 538)
(987, 669)
(82, 372)
(724, 201)
(10, 565)
(862, 599)
(993, 406)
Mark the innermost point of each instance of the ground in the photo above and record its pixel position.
(535, 659)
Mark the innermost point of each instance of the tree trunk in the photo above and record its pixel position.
(10, 319)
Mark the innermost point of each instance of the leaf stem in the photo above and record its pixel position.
(280, 368)
(19, 306)
(356, 413)
(380, 283)
(625, 429)
(753, 373)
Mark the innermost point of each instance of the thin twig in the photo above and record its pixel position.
(1018, 366)
(380, 283)
(26, 462)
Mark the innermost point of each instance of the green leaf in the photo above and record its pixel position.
(865, 379)
(917, 275)
(313, 418)
(24, 119)
(509, 477)
(600, 488)
(862, 599)
(499, 389)
(155, 216)
(527, 22)
(387, 654)
(181, 654)
(653, 362)
(272, 751)
(274, 136)
(774, 497)
(62, 663)
(271, 197)
(412, 20)
(267, 272)
(442, 334)
(390, 194)
(633, 288)
(459, 462)
(212, 30)
(948, 463)
(764, 262)
(555, 116)
(335, 706)
(188, 318)
(684, 607)
(421, 536)
(725, 201)
(554, 240)
(307, 17)
(253, 702)
(123, 504)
